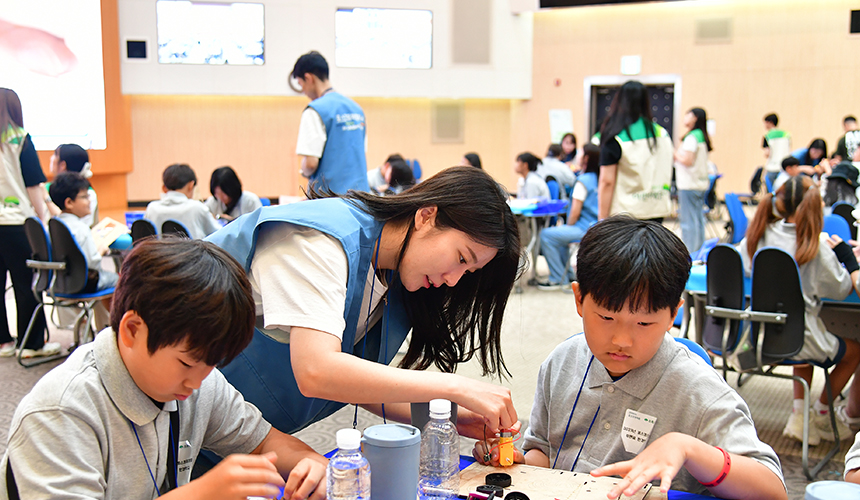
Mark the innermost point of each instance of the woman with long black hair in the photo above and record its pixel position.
(635, 158)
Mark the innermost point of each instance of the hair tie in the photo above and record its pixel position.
(86, 173)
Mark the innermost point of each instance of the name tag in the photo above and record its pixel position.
(636, 430)
(184, 463)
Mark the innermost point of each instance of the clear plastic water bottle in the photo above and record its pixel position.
(348, 472)
(439, 475)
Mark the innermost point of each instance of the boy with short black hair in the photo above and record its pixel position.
(790, 168)
(776, 145)
(178, 203)
(126, 415)
(624, 398)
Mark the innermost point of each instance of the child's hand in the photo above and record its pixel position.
(661, 460)
(238, 477)
(833, 240)
(307, 480)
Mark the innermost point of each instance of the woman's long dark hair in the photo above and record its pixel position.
(452, 324)
(226, 179)
(630, 103)
(817, 144)
(702, 124)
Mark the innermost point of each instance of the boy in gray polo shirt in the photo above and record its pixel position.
(125, 416)
(624, 398)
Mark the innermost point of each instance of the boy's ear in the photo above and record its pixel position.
(130, 327)
(577, 296)
(164, 188)
(67, 203)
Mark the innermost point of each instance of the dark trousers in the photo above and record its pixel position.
(14, 252)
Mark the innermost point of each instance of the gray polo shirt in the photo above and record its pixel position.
(675, 386)
(71, 436)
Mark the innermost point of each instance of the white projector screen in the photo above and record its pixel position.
(51, 56)
(383, 38)
(210, 33)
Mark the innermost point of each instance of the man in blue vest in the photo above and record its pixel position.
(332, 137)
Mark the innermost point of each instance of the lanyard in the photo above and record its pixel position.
(575, 401)
(367, 324)
(171, 454)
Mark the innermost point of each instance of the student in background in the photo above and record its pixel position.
(73, 158)
(178, 203)
(341, 280)
(568, 148)
(792, 219)
(529, 185)
(552, 166)
(790, 168)
(69, 191)
(849, 142)
(471, 160)
(125, 416)
(841, 183)
(377, 178)
(22, 195)
(693, 432)
(691, 177)
(400, 177)
(555, 241)
(332, 136)
(813, 159)
(635, 158)
(228, 200)
(776, 145)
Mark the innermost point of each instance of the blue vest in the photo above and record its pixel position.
(343, 164)
(588, 215)
(262, 372)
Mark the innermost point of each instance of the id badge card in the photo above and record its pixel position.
(184, 463)
(636, 430)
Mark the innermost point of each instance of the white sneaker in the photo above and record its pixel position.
(822, 425)
(794, 429)
(49, 349)
(852, 422)
(7, 350)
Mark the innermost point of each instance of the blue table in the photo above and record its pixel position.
(537, 214)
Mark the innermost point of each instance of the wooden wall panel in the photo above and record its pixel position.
(791, 57)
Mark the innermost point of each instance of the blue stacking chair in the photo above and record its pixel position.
(265, 202)
(142, 228)
(836, 225)
(60, 270)
(737, 218)
(695, 349)
(171, 226)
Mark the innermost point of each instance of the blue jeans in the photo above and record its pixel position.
(554, 243)
(691, 214)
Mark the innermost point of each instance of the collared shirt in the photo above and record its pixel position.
(675, 386)
(71, 437)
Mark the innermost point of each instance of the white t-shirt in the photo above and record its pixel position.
(298, 277)
(312, 134)
(579, 192)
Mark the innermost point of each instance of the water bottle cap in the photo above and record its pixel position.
(440, 407)
(348, 439)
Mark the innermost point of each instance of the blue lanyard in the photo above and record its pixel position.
(367, 325)
(148, 468)
(567, 427)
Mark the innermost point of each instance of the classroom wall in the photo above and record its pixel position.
(791, 57)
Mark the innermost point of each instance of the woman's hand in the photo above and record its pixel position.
(486, 452)
(492, 402)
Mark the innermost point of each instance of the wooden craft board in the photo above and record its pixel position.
(546, 484)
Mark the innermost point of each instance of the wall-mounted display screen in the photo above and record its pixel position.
(210, 33)
(51, 56)
(383, 38)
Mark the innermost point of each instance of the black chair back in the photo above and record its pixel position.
(142, 228)
(66, 249)
(725, 289)
(40, 249)
(845, 210)
(776, 289)
(171, 226)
